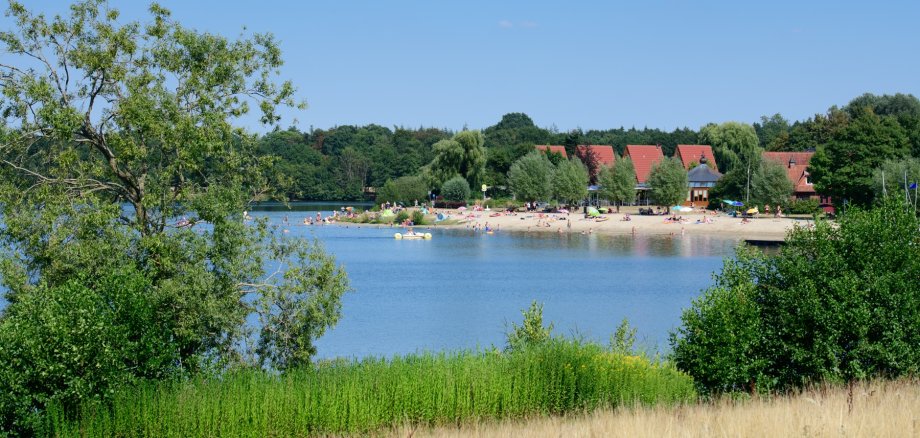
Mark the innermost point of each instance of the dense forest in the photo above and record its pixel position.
(340, 162)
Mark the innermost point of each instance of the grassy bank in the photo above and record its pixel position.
(879, 409)
(556, 378)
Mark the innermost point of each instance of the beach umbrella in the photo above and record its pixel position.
(685, 209)
(462, 208)
(676, 207)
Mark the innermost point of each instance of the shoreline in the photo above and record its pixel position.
(768, 229)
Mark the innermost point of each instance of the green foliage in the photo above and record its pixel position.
(812, 133)
(401, 217)
(840, 303)
(894, 177)
(570, 181)
(720, 341)
(531, 331)
(771, 130)
(843, 167)
(405, 189)
(418, 218)
(74, 344)
(668, 182)
(462, 155)
(294, 314)
(367, 397)
(618, 182)
(733, 143)
(112, 155)
(804, 206)
(530, 177)
(456, 189)
(623, 340)
(770, 184)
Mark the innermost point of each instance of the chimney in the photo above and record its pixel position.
(791, 162)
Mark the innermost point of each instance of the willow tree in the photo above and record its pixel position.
(734, 144)
(462, 155)
(111, 131)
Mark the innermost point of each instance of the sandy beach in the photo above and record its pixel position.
(696, 222)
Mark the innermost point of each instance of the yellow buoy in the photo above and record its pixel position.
(428, 235)
(398, 236)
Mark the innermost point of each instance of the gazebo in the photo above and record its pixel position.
(699, 180)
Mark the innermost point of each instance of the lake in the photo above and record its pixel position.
(461, 288)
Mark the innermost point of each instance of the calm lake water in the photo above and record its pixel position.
(459, 289)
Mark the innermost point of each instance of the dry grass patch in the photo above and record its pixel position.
(880, 409)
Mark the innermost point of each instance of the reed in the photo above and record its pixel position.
(558, 377)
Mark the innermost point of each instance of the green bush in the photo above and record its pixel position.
(456, 189)
(839, 303)
(555, 377)
(74, 344)
(804, 206)
(401, 217)
(418, 218)
(405, 189)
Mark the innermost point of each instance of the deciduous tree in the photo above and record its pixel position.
(668, 182)
(111, 132)
(618, 182)
(462, 155)
(530, 177)
(733, 143)
(843, 167)
(570, 181)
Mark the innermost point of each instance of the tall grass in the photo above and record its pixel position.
(558, 377)
(873, 409)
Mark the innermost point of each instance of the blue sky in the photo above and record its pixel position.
(587, 64)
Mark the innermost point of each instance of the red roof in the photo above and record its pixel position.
(691, 153)
(604, 153)
(643, 157)
(796, 164)
(553, 148)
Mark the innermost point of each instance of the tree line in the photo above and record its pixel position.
(851, 143)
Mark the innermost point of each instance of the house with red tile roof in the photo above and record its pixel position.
(796, 164)
(692, 153)
(643, 157)
(559, 149)
(604, 153)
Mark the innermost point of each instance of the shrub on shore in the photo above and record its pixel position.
(554, 377)
(456, 189)
(839, 303)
